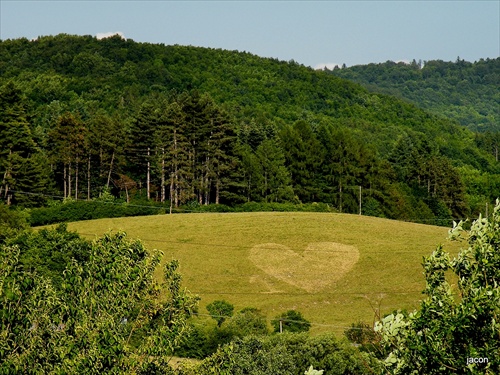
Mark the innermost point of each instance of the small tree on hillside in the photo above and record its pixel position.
(249, 321)
(453, 333)
(220, 310)
(291, 321)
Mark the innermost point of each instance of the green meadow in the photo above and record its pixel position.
(336, 269)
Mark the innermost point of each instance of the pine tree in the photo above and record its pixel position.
(141, 148)
(67, 142)
(107, 141)
(276, 183)
(303, 154)
(19, 168)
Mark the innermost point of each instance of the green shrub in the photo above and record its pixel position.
(49, 251)
(11, 222)
(89, 210)
(286, 354)
(249, 321)
(291, 321)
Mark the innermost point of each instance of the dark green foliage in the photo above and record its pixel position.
(360, 333)
(23, 167)
(201, 343)
(365, 338)
(303, 159)
(220, 311)
(284, 207)
(452, 327)
(11, 222)
(290, 321)
(186, 124)
(286, 354)
(204, 341)
(89, 210)
(98, 209)
(464, 91)
(86, 324)
(49, 251)
(249, 321)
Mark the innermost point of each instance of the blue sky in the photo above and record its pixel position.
(312, 33)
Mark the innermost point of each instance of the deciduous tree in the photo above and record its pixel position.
(453, 332)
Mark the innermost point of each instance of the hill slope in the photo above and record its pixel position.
(334, 268)
(224, 127)
(106, 72)
(463, 91)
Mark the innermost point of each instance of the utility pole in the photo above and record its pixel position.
(281, 326)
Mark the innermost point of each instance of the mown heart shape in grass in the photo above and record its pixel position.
(318, 266)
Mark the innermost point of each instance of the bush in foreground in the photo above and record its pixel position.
(453, 333)
(285, 354)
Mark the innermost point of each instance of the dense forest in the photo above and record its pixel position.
(82, 117)
(464, 91)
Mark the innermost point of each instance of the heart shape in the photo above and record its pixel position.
(320, 265)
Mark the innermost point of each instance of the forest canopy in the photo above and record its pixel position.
(81, 118)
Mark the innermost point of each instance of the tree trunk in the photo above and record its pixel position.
(69, 180)
(76, 180)
(175, 175)
(249, 187)
(148, 177)
(207, 191)
(200, 191)
(171, 190)
(110, 169)
(340, 191)
(65, 182)
(217, 185)
(4, 182)
(163, 174)
(88, 179)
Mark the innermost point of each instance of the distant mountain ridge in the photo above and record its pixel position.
(463, 91)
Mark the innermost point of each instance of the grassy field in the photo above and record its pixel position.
(334, 268)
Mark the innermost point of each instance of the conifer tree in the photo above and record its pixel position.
(22, 170)
(276, 183)
(141, 149)
(303, 159)
(67, 142)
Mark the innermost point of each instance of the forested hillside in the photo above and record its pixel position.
(464, 91)
(80, 116)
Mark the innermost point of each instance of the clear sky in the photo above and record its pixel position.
(312, 33)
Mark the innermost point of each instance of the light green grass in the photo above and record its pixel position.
(335, 269)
